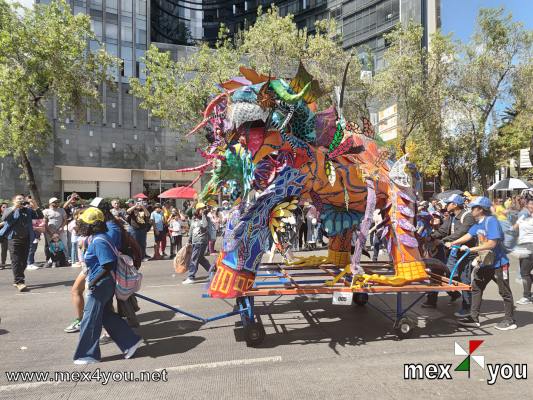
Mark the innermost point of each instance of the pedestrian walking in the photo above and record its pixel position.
(198, 238)
(56, 220)
(3, 239)
(175, 232)
(524, 225)
(101, 261)
(491, 263)
(139, 220)
(158, 224)
(18, 230)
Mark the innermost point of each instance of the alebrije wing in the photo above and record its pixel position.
(301, 79)
(253, 76)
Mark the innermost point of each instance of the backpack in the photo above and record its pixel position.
(127, 278)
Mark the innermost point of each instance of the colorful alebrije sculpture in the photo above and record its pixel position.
(267, 137)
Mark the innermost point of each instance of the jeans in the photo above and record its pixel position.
(59, 258)
(18, 251)
(480, 279)
(526, 269)
(74, 252)
(98, 312)
(464, 273)
(140, 237)
(31, 253)
(3, 251)
(197, 256)
(175, 244)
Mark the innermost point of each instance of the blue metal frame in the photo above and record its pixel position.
(400, 311)
(241, 310)
(452, 272)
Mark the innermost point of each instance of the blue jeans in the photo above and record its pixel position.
(31, 254)
(98, 312)
(140, 237)
(464, 273)
(197, 257)
(74, 252)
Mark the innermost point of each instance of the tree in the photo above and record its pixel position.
(416, 79)
(485, 73)
(44, 57)
(176, 91)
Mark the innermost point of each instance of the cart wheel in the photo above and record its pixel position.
(360, 299)
(404, 328)
(254, 334)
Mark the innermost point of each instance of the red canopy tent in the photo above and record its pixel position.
(180, 192)
(139, 196)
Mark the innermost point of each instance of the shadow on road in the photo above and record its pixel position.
(164, 336)
(49, 285)
(304, 320)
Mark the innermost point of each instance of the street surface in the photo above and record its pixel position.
(313, 349)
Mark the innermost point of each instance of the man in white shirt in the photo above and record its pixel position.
(524, 225)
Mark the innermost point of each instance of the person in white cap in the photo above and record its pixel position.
(55, 219)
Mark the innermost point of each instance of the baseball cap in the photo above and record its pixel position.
(53, 200)
(481, 201)
(92, 215)
(455, 198)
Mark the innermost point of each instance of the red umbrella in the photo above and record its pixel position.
(180, 192)
(140, 196)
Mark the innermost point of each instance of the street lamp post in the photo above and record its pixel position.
(160, 184)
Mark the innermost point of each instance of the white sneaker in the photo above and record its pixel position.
(523, 301)
(32, 267)
(48, 264)
(54, 265)
(131, 351)
(76, 265)
(187, 281)
(105, 339)
(85, 361)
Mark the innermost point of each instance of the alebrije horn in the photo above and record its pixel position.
(284, 95)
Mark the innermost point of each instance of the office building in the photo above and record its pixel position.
(121, 151)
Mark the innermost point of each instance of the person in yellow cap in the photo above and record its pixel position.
(100, 258)
(198, 238)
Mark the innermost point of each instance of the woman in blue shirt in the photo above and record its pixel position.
(100, 259)
(490, 237)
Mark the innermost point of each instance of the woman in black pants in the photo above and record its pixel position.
(3, 240)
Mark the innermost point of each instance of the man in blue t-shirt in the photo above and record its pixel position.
(158, 223)
(490, 237)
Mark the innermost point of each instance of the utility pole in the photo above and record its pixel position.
(160, 184)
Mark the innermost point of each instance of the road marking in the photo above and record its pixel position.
(248, 361)
(26, 386)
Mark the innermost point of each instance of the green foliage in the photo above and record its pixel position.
(498, 55)
(176, 91)
(44, 58)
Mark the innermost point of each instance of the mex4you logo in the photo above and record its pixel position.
(472, 358)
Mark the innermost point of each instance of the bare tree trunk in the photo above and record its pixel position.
(29, 176)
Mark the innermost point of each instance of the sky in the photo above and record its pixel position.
(459, 16)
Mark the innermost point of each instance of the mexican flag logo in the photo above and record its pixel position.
(473, 345)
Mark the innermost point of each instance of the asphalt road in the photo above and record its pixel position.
(313, 349)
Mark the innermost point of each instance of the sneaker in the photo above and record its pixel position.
(85, 361)
(523, 301)
(73, 327)
(462, 313)
(146, 258)
(131, 351)
(469, 322)
(453, 297)
(21, 287)
(105, 339)
(32, 267)
(76, 265)
(505, 325)
(188, 281)
(428, 305)
(164, 254)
